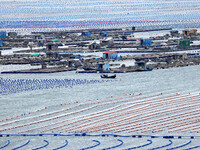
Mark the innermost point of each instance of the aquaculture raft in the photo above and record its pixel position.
(129, 113)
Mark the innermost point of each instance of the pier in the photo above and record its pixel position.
(50, 70)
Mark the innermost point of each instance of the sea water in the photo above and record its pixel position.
(152, 13)
(172, 80)
(38, 15)
(166, 81)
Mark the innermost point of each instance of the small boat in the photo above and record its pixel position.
(145, 69)
(141, 66)
(107, 76)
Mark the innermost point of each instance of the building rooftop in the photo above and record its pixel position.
(107, 52)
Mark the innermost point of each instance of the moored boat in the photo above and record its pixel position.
(107, 76)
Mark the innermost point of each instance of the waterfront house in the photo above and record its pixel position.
(86, 33)
(103, 66)
(145, 42)
(189, 32)
(1, 42)
(184, 43)
(51, 47)
(110, 55)
(2, 34)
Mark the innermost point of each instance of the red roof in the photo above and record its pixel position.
(107, 52)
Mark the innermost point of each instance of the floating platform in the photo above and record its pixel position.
(50, 70)
(26, 63)
(121, 70)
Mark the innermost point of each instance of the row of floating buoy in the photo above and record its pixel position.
(98, 143)
(83, 118)
(10, 86)
(92, 101)
(128, 122)
(48, 113)
(101, 23)
(76, 9)
(85, 134)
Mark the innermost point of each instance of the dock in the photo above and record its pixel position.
(116, 70)
(49, 70)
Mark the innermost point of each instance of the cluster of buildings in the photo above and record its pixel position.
(94, 49)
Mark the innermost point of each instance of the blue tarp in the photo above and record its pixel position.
(146, 42)
(110, 56)
(2, 34)
(86, 33)
(104, 34)
(1, 42)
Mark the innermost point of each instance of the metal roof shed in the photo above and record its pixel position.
(110, 55)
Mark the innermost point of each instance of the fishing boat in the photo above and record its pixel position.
(141, 66)
(144, 69)
(107, 76)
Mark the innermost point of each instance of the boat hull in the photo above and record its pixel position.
(110, 77)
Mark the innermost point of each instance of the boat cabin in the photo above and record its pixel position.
(141, 66)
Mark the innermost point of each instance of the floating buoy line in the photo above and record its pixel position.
(10, 86)
(151, 142)
(127, 113)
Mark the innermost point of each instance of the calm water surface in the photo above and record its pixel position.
(185, 79)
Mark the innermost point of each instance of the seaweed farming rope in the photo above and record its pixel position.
(121, 120)
(112, 113)
(58, 112)
(82, 125)
(43, 120)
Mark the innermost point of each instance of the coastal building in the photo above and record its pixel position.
(86, 34)
(145, 42)
(12, 34)
(51, 47)
(2, 34)
(74, 63)
(107, 41)
(39, 39)
(94, 45)
(103, 34)
(189, 32)
(1, 42)
(184, 43)
(174, 33)
(110, 55)
(50, 54)
(103, 67)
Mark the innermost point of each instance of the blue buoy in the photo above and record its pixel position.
(83, 134)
